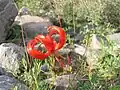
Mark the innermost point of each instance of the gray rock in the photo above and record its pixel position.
(98, 41)
(75, 37)
(95, 42)
(4, 72)
(64, 51)
(64, 81)
(92, 56)
(81, 50)
(94, 52)
(8, 12)
(8, 83)
(91, 53)
(10, 55)
(75, 52)
(33, 25)
(23, 11)
(44, 68)
(115, 37)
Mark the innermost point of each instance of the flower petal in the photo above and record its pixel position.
(36, 53)
(62, 36)
(47, 41)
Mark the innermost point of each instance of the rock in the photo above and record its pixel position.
(8, 12)
(10, 56)
(33, 25)
(64, 81)
(115, 38)
(64, 51)
(8, 83)
(81, 53)
(75, 37)
(94, 52)
(95, 43)
(81, 50)
(92, 56)
(4, 72)
(44, 68)
(23, 11)
(75, 52)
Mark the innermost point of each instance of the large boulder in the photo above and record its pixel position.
(10, 56)
(33, 25)
(8, 12)
(10, 83)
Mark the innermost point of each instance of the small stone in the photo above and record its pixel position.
(23, 11)
(44, 68)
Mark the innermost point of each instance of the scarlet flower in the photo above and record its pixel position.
(50, 44)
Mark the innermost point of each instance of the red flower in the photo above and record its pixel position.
(51, 45)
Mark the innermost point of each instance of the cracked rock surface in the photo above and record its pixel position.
(8, 12)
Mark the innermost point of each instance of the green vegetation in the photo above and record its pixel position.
(86, 17)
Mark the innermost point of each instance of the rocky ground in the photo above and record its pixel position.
(12, 53)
